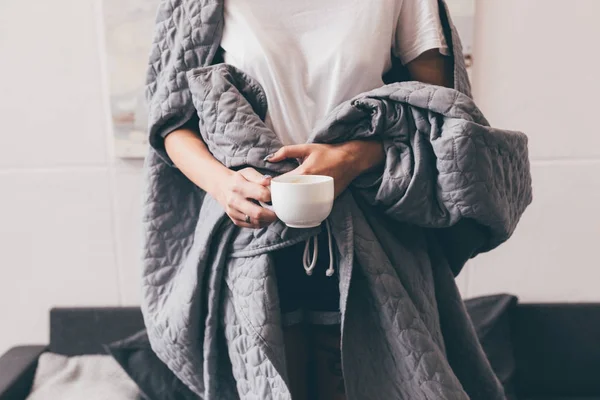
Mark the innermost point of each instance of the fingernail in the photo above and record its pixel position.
(267, 158)
(267, 176)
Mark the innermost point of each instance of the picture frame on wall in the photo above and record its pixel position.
(128, 31)
(128, 27)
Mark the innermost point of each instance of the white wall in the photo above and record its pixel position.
(69, 211)
(537, 70)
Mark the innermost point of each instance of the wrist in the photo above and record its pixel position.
(216, 185)
(364, 155)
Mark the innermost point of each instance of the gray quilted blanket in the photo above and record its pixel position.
(451, 187)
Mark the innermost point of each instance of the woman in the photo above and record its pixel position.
(309, 56)
(226, 301)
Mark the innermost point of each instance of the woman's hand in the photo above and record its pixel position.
(344, 162)
(236, 193)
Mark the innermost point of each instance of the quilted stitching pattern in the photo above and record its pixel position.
(403, 298)
(210, 301)
(255, 313)
(413, 334)
(439, 147)
(187, 33)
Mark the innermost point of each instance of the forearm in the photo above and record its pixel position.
(236, 191)
(365, 155)
(189, 153)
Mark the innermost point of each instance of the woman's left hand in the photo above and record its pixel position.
(344, 162)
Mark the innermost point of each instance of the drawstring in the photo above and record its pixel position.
(309, 264)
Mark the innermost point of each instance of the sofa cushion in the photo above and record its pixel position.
(557, 349)
(85, 330)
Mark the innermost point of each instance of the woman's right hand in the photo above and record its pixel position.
(233, 190)
(236, 194)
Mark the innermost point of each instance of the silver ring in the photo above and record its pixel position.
(247, 219)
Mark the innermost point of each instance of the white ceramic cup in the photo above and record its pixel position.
(302, 201)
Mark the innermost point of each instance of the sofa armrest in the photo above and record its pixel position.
(17, 369)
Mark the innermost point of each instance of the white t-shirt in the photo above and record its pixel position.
(311, 55)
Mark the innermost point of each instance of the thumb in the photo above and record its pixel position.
(292, 151)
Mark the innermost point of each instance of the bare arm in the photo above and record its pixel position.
(189, 153)
(230, 188)
(432, 67)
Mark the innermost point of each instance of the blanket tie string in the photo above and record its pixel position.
(309, 265)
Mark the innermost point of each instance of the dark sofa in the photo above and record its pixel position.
(540, 351)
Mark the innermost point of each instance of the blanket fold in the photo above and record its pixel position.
(440, 151)
(451, 187)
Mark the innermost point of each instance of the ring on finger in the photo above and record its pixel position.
(247, 219)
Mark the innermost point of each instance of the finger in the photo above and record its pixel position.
(253, 175)
(256, 213)
(237, 215)
(254, 191)
(239, 219)
(240, 223)
(292, 151)
(243, 224)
